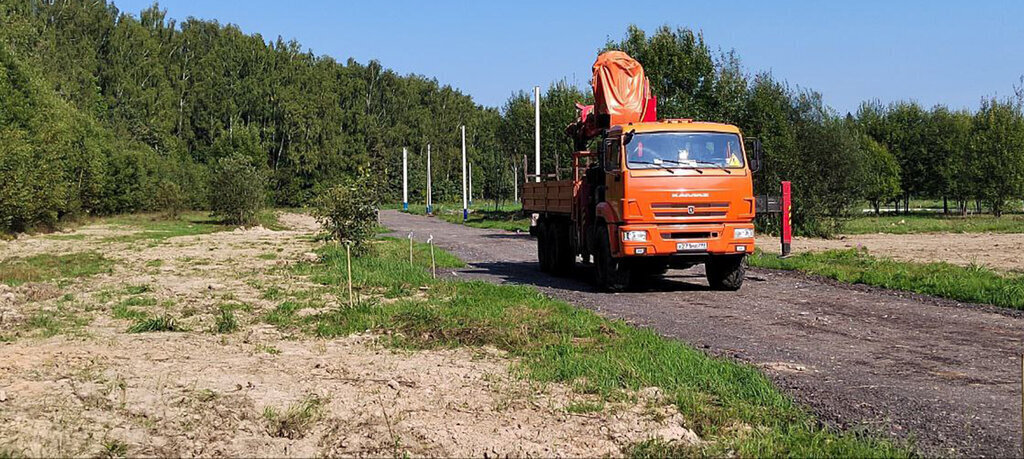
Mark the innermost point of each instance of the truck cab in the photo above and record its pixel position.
(674, 193)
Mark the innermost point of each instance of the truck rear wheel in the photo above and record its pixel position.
(610, 273)
(726, 272)
(561, 250)
(544, 256)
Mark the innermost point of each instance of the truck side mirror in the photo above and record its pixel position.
(756, 154)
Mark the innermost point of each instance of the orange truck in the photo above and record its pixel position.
(647, 195)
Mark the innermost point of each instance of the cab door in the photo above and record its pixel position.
(613, 180)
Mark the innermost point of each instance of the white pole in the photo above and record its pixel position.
(465, 203)
(470, 184)
(405, 179)
(536, 130)
(430, 204)
(515, 183)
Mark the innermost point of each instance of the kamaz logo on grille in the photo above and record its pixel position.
(690, 195)
(690, 210)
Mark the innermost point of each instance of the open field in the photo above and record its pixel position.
(999, 252)
(914, 367)
(934, 223)
(137, 336)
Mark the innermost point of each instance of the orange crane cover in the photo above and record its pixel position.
(621, 89)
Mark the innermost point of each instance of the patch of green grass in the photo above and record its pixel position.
(481, 215)
(44, 267)
(933, 223)
(556, 342)
(163, 323)
(54, 322)
(138, 289)
(156, 228)
(128, 308)
(154, 263)
(973, 284)
(269, 219)
(296, 420)
(226, 321)
(584, 407)
(65, 237)
(267, 256)
(114, 449)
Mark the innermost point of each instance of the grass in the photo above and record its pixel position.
(54, 322)
(296, 420)
(44, 267)
(226, 321)
(155, 324)
(934, 223)
(155, 227)
(732, 405)
(973, 284)
(508, 217)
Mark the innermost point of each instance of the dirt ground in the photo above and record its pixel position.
(998, 251)
(95, 390)
(943, 376)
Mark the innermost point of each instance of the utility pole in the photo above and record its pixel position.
(536, 130)
(465, 203)
(515, 183)
(405, 179)
(430, 204)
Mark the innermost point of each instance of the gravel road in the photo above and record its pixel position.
(944, 375)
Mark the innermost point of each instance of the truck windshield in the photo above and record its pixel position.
(690, 150)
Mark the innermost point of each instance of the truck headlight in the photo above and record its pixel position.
(743, 233)
(634, 236)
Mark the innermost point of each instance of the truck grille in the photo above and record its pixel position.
(677, 210)
(689, 235)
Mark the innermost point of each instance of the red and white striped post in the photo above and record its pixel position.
(787, 220)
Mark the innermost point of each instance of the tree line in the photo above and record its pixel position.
(106, 112)
(103, 110)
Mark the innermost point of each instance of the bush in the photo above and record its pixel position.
(169, 199)
(237, 190)
(348, 213)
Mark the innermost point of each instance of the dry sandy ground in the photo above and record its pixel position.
(97, 390)
(992, 250)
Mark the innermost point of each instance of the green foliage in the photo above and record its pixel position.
(881, 175)
(169, 199)
(349, 212)
(237, 190)
(973, 284)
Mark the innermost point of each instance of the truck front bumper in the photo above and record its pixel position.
(684, 240)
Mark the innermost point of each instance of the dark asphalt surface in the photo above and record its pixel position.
(943, 375)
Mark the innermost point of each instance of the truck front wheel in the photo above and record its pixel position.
(610, 273)
(726, 272)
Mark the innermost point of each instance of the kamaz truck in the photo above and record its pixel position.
(646, 194)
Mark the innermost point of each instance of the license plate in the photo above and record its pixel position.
(691, 246)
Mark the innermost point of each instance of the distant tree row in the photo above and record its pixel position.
(105, 112)
(101, 110)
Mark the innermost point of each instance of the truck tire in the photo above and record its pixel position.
(726, 272)
(564, 257)
(610, 274)
(544, 257)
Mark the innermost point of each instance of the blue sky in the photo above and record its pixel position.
(946, 52)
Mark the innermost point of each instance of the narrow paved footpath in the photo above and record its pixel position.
(946, 376)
